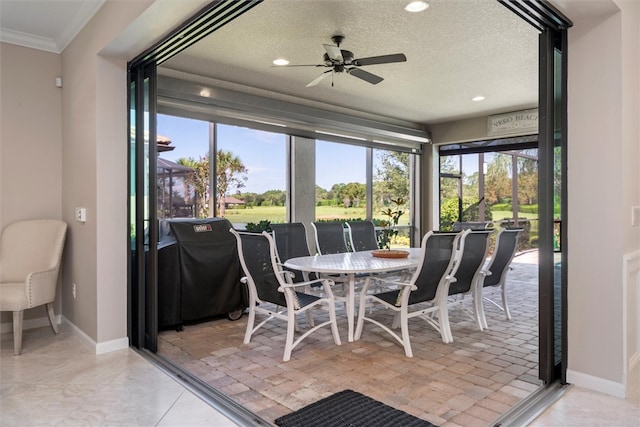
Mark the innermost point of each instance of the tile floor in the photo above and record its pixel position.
(59, 381)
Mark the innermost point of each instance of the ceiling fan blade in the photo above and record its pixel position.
(384, 59)
(319, 78)
(298, 65)
(365, 75)
(334, 52)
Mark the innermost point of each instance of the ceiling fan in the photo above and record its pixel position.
(343, 61)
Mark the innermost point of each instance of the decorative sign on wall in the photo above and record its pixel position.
(515, 123)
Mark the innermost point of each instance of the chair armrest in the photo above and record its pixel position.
(299, 284)
(390, 282)
(41, 287)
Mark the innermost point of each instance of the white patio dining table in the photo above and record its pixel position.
(353, 264)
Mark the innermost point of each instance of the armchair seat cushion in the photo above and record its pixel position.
(13, 297)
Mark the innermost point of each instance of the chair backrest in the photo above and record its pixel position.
(291, 240)
(257, 256)
(438, 256)
(362, 235)
(329, 237)
(506, 245)
(30, 246)
(474, 249)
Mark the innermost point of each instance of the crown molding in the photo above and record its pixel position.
(28, 40)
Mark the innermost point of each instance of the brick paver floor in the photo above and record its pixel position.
(469, 382)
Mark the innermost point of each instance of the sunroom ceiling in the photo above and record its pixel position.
(456, 50)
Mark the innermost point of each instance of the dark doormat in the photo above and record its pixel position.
(349, 408)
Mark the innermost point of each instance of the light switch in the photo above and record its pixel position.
(635, 215)
(81, 214)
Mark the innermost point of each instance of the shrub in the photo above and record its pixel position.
(264, 225)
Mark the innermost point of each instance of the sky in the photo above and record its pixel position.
(263, 153)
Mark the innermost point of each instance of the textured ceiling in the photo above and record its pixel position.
(455, 50)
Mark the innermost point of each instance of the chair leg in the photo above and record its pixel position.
(17, 332)
(334, 324)
(404, 325)
(477, 306)
(288, 346)
(445, 327)
(250, 322)
(52, 318)
(505, 307)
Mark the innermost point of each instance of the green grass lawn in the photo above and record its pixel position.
(278, 214)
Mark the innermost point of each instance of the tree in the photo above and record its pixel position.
(497, 185)
(353, 193)
(199, 181)
(230, 175)
(391, 181)
(527, 181)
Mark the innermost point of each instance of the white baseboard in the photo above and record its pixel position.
(29, 324)
(99, 348)
(601, 385)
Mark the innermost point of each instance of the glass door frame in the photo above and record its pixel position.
(142, 73)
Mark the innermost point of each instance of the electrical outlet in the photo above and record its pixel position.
(81, 214)
(73, 291)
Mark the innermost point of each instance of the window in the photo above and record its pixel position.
(392, 193)
(183, 167)
(483, 185)
(340, 181)
(251, 178)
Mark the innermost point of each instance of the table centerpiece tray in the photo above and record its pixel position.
(390, 253)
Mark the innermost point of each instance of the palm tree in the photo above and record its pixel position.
(230, 174)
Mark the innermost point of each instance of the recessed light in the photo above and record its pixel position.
(478, 98)
(416, 6)
(280, 61)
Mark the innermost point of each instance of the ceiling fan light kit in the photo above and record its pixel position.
(344, 61)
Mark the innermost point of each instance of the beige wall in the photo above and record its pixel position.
(94, 176)
(603, 183)
(30, 141)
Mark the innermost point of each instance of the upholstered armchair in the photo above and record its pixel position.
(30, 255)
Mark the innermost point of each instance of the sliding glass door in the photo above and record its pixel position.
(143, 327)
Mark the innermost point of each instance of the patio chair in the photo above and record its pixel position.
(362, 236)
(291, 242)
(496, 272)
(274, 294)
(30, 255)
(472, 256)
(427, 290)
(329, 237)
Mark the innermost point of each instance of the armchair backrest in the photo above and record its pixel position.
(329, 237)
(362, 235)
(506, 245)
(438, 256)
(31, 246)
(474, 253)
(257, 256)
(291, 240)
